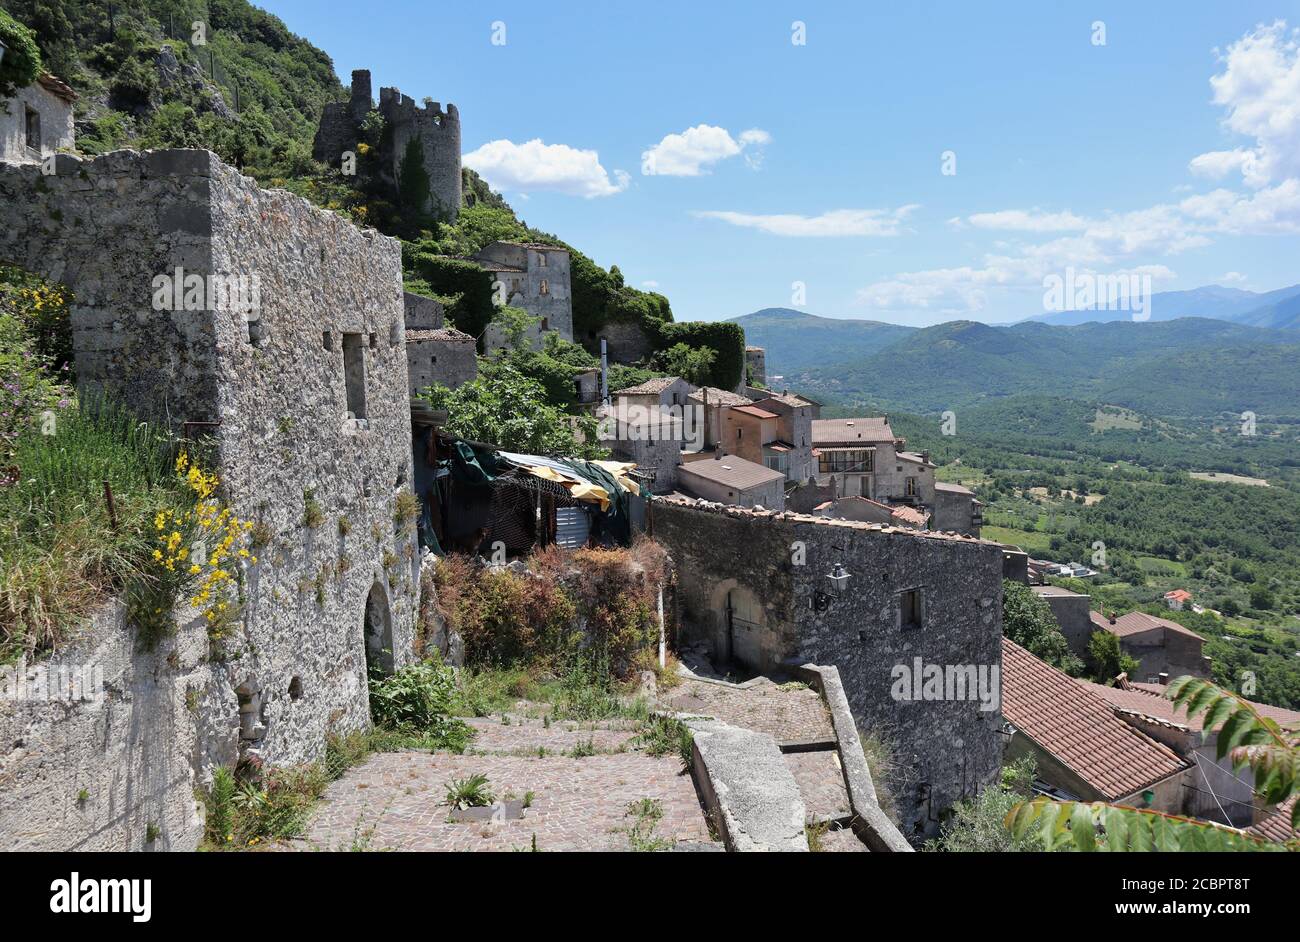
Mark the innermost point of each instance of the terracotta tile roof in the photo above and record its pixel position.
(1137, 622)
(731, 471)
(441, 333)
(718, 397)
(1179, 595)
(1150, 700)
(1276, 826)
(952, 488)
(1080, 729)
(56, 86)
(755, 411)
(789, 399)
(913, 458)
(651, 387)
(910, 515)
(847, 431)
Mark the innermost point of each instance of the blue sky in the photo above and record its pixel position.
(709, 156)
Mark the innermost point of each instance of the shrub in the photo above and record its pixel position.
(418, 700)
(727, 339)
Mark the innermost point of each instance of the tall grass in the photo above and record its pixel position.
(62, 552)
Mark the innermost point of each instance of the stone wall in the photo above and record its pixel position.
(267, 392)
(96, 773)
(421, 313)
(625, 341)
(756, 367)
(773, 569)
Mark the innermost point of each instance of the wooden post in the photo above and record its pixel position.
(108, 499)
(663, 636)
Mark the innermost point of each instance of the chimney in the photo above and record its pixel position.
(1112, 618)
(1164, 678)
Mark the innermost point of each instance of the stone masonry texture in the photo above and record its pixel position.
(275, 418)
(783, 608)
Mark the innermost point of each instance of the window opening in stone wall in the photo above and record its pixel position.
(910, 609)
(33, 128)
(327, 340)
(354, 374)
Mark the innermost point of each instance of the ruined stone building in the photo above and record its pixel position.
(37, 121)
(862, 457)
(755, 367)
(299, 402)
(435, 353)
(761, 590)
(410, 131)
(534, 277)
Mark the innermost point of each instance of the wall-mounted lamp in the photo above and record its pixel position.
(839, 578)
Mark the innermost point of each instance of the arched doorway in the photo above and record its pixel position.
(378, 630)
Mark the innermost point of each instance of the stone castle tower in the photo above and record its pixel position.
(437, 131)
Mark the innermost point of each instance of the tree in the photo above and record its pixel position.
(1252, 741)
(690, 363)
(1028, 621)
(503, 407)
(1105, 658)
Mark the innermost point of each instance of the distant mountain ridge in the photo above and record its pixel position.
(1266, 309)
(1188, 366)
(795, 340)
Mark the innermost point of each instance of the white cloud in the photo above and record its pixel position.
(1027, 221)
(694, 151)
(1260, 88)
(834, 223)
(536, 165)
(649, 284)
(1219, 163)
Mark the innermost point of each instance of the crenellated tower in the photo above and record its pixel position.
(436, 131)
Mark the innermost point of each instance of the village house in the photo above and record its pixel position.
(652, 439)
(715, 403)
(791, 452)
(661, 391)
(37, 121)
(1214, 792)
(861, 457)
(1083, 751)
(532, 276)
(1163, 649)
(731, 479)
(1177, 599)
